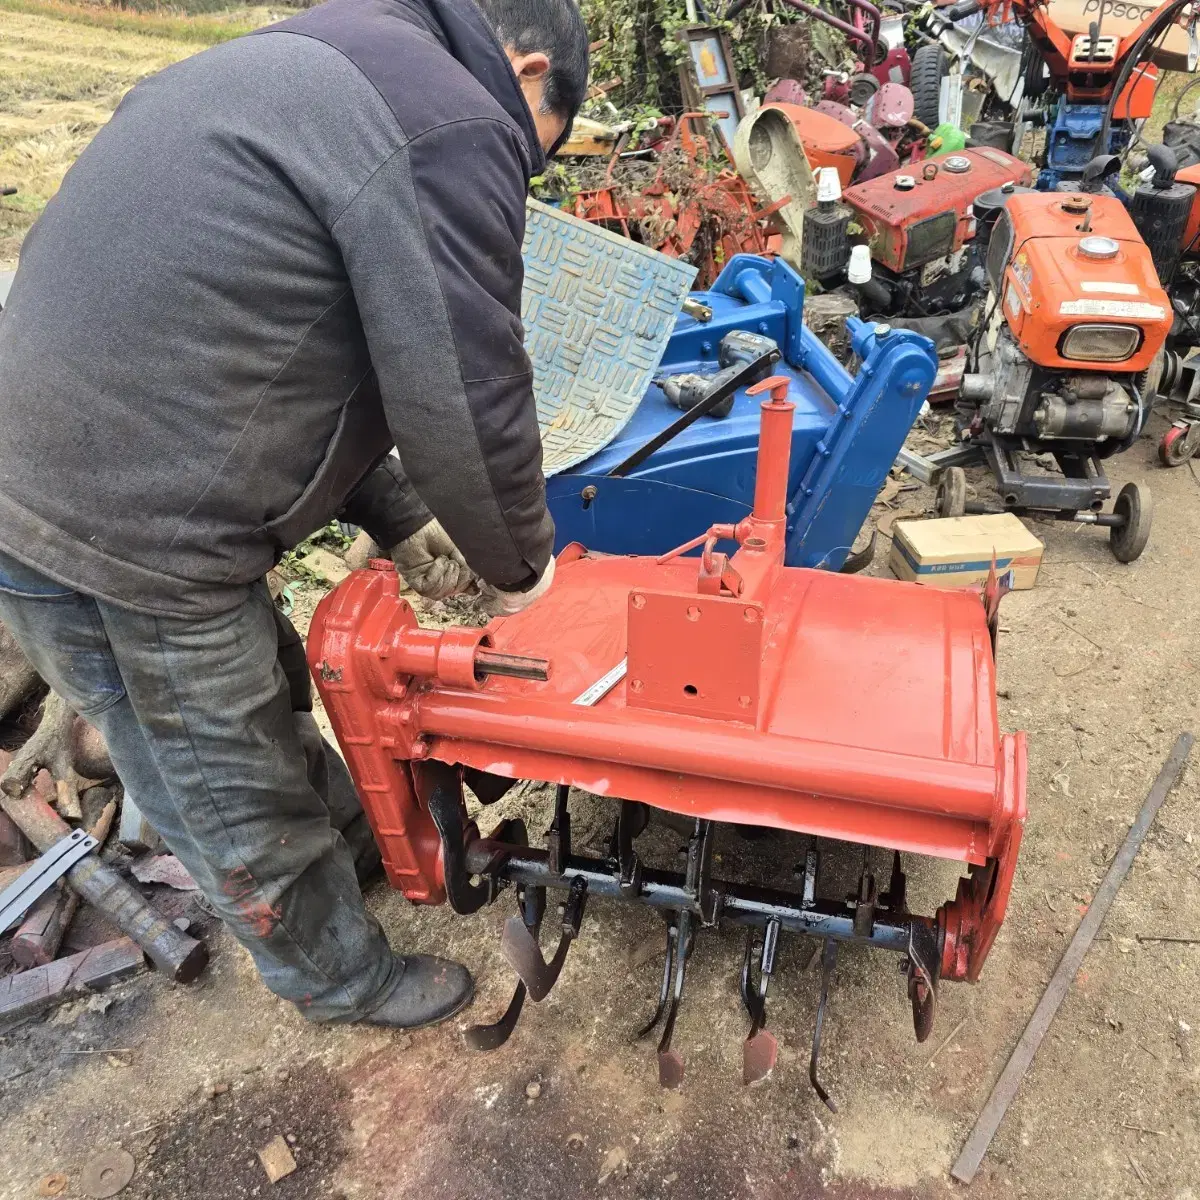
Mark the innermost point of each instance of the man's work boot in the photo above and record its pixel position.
(430, 990)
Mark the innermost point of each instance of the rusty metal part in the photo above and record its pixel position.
(707, 220)
(1007, 1085)
(178, 956)
(107, 1174)
(55, 1183)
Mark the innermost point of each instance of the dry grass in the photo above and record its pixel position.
(63, 69)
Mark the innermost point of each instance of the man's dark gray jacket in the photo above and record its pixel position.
(279, 258)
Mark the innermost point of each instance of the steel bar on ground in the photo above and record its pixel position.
(1010, 1079)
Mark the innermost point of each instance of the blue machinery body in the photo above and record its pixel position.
(846, 433)
(1071, 141)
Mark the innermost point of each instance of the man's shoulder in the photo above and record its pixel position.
(422, 83)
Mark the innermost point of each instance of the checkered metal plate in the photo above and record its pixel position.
(598, 310)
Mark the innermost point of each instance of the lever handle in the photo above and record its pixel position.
(777, 385)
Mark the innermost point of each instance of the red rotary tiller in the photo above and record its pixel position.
(725, 688)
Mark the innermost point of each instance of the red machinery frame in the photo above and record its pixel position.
(845, 707)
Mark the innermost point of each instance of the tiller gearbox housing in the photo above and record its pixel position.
(724, 688)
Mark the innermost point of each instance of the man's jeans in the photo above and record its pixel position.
(199, 720)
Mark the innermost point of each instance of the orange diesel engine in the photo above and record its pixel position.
(920, 222)
(1075, 320)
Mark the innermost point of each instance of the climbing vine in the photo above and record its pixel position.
(639, 45)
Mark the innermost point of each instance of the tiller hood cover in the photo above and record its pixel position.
(722, 688)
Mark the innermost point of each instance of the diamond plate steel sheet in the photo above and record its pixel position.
(598, 311)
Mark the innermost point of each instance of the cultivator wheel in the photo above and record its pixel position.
(952, 492)
(1179, 443)
(1135, 506)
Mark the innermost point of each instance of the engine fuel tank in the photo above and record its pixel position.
(923, 211)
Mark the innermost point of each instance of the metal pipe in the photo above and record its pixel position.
(846, 27)
(774, 453)
(745, 756)
(514, 666)
(740, 903)
(874, 25)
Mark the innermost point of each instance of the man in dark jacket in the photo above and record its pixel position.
(279, 259)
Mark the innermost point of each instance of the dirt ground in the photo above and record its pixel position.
(1098, 664)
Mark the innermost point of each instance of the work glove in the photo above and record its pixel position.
(503, 604)
(431, 564)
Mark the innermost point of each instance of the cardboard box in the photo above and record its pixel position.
(954, 552)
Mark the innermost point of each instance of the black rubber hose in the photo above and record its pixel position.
(1157, 26)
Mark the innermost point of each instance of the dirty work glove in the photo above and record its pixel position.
(504, 604)
(431, 564)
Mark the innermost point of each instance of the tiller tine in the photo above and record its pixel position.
(828, 961)
(760, 1049)
(679, 936)
(670, 1062)
(923, 963)
(522, 952)
(491, 1037)
(679, 947)
(665, 990)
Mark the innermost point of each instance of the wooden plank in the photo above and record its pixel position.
(12, 843)
(29, 992)
(1060, 983)
(38, 937)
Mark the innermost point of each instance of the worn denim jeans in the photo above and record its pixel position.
(202, 725)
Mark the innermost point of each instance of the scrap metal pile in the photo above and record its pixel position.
(976, 172)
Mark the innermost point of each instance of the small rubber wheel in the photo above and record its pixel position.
(1178, 444)
(1136, 505)
(952, 492)
(862, 87)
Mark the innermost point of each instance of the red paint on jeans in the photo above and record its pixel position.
(258, 916)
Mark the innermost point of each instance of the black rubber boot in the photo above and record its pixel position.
(430, 990)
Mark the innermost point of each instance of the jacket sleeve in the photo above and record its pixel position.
(386, 505)
(432, 246)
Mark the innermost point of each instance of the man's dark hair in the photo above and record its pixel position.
(556, 29)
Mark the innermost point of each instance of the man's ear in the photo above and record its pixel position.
(529, 67)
